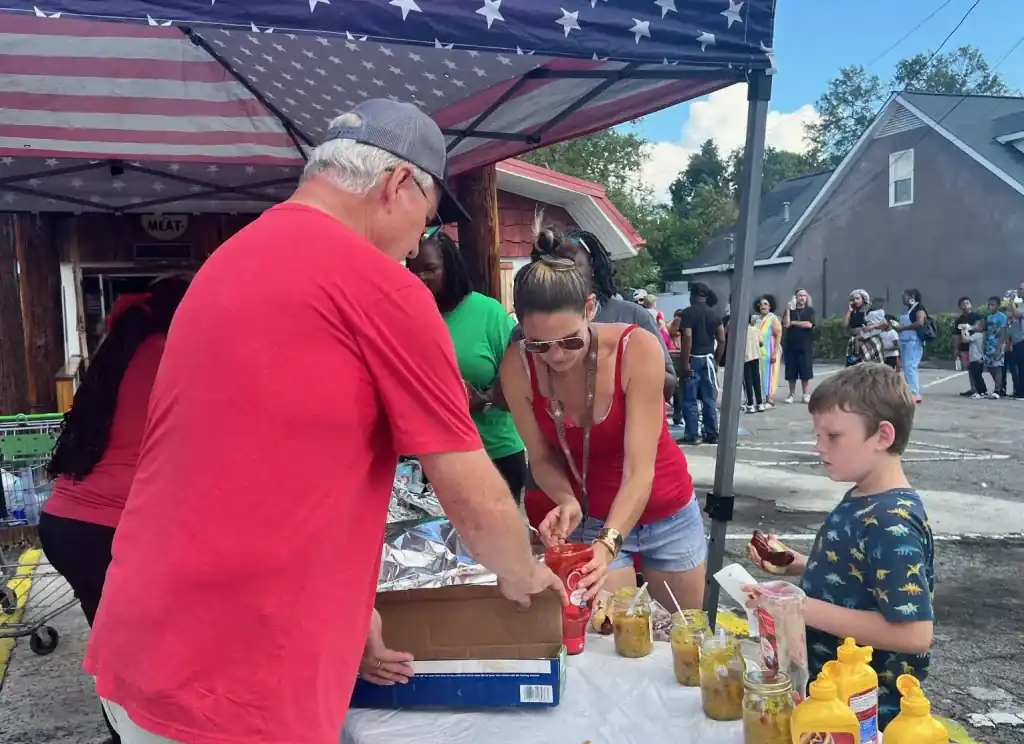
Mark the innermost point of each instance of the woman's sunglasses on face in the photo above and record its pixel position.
(569, 343)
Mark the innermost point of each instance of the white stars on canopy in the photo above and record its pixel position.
(732, 13)
(640, 28)
(705, 40)
(313, 4)
(666, 6)
(491, 11)
(406, 6)
(569, 21)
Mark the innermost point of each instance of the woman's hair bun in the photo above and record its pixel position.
(546, 241)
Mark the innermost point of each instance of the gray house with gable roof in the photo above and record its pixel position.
(931, 196)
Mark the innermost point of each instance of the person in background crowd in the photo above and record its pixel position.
(975, 336)
(752, 367)
(674, 330)
(891, 342)
(97, 451)
(595, 265)
(302, 343)
(996, 337)
(480, 328)
(1016, 331)
(771, 337)
(588, 401)
(962, 348)
(911, 346)
(798, 344)
(854, 319)
(702, 341)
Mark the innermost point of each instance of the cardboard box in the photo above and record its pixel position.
(473, 649)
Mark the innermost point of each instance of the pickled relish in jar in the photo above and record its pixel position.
(767, 708)
(721, 677)
(688, 630)
(634, 633)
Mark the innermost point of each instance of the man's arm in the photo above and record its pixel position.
(409, 353)
(809, 323)
(719, 343)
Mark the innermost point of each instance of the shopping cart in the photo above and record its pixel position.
(25, 446)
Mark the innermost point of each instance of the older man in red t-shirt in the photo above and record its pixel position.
(302, 361)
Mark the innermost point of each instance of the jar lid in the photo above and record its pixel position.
(767, 682)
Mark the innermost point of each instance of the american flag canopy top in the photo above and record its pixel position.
(131, 106)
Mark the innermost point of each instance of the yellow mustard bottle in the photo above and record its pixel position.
(822, 716)
(858, 686)
(915, 723)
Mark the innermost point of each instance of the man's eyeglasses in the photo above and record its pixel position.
(569, 343)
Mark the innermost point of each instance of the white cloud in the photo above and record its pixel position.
(722, 116)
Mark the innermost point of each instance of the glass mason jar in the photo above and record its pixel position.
(689, 628)
(767, 707)
(721, 677)
(634, 633)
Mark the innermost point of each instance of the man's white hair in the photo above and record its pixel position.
(355, 167)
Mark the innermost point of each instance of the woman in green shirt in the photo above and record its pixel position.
(480, 327)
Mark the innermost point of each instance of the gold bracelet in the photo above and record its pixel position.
(608, 543)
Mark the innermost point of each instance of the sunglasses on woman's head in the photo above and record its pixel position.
(569, 343)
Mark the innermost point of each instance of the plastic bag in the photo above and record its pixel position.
(780, 622)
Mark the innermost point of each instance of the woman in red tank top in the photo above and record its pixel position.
(588, 402)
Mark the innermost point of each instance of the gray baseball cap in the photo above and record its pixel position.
(407, 133)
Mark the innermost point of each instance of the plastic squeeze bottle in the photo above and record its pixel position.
(824, 717)
(858, 686)
(915, 723)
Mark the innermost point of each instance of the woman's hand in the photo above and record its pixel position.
(381, 665)
(477, 400)
(595, 573)
(560, 523)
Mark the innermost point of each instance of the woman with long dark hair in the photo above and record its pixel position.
(588, 400)
(97, 451)
(480, 328)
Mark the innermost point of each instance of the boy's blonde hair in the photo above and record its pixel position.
(876, 393)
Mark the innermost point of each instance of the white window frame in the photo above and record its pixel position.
(894, 158)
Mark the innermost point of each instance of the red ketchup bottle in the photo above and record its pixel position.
(567, 562)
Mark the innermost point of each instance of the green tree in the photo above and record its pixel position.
(964, 70)
(779, 165)
(853, 98)
(706, 170)
(845, 110)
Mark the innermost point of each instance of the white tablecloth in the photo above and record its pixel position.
(608, 700)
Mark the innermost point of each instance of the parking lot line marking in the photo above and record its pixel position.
(941, 380)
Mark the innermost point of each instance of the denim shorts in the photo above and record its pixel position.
(673, 544)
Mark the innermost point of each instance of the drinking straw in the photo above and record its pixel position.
(676, 603)
(631, 610)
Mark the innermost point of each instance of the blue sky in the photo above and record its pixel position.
(813, 39)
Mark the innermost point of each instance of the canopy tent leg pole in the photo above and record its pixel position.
(720, 501)
(13, 360)
(478, 239)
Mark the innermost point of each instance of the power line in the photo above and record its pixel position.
(869, 182)
(909, 33)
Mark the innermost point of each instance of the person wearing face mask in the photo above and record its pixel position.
(588, 401)
(302, 361)
(911, 325)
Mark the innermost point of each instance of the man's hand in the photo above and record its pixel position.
(541, 580)
(381, 665)
(560, 523)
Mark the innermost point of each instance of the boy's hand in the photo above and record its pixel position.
(795, 568)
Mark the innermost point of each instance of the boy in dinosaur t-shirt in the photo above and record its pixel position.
(870, 575)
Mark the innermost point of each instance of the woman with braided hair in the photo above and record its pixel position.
(98, 448)
(480, 328)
